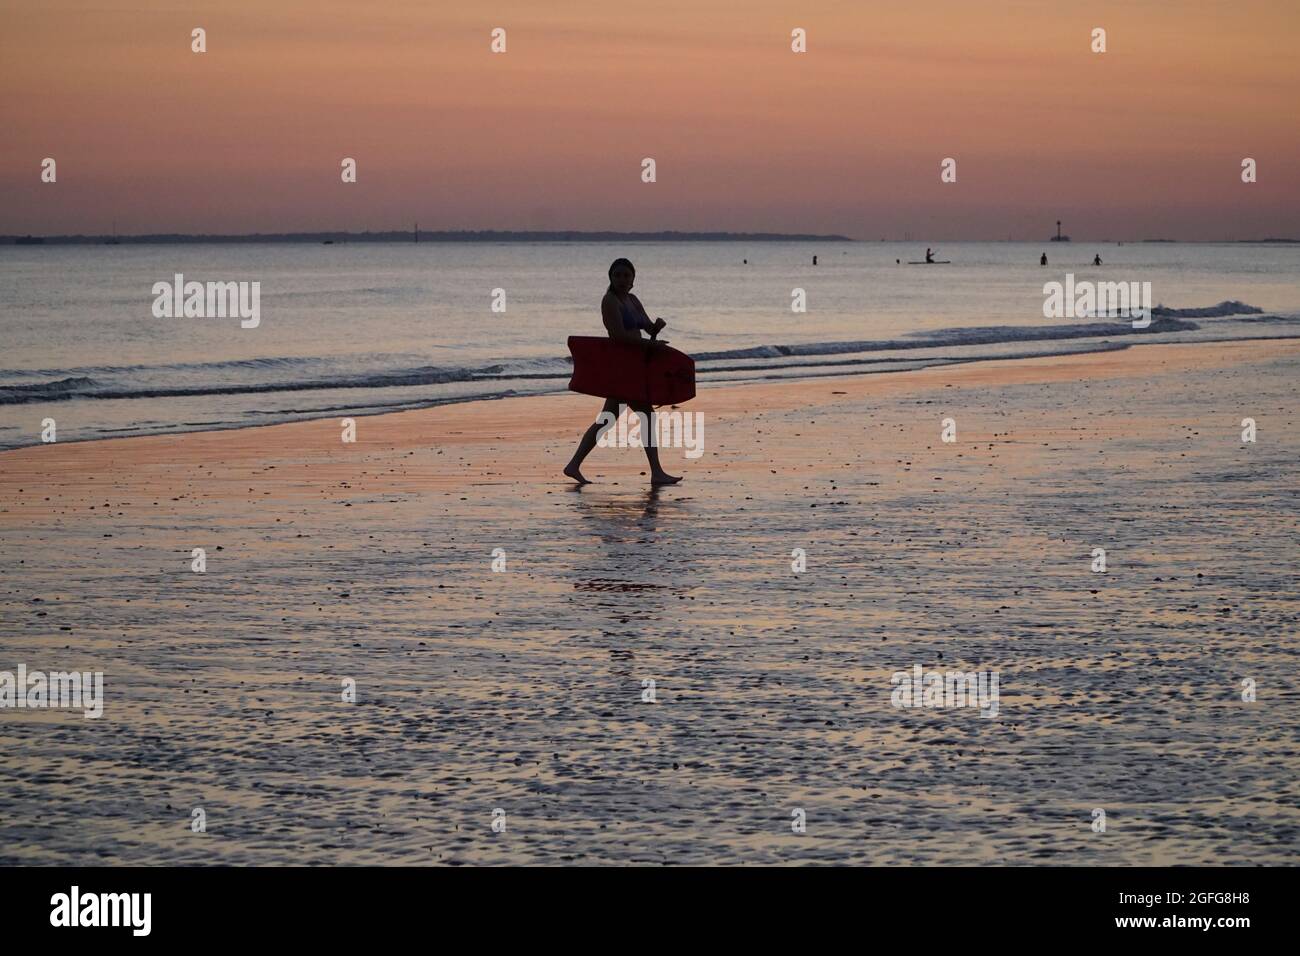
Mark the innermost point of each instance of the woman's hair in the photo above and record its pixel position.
(616, 264)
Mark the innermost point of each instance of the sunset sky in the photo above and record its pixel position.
(1145, 140)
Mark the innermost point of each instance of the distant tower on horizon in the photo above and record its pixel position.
(1058, 237)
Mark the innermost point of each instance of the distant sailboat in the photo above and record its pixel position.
(113, 241)
(1058, 237)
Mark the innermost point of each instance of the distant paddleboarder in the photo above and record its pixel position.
(929, 255)
(625, 319)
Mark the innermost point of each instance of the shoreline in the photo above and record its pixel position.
(529, 437)
(827, 373)
(777, 385)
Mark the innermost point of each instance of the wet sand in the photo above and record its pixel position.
(522, 690)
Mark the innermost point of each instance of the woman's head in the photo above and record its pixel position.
(621, 276)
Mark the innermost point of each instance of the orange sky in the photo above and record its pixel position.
(1145, 140)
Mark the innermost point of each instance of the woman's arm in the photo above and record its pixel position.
(655, 327)
(612, 316)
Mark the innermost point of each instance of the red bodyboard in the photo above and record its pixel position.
(620, 370)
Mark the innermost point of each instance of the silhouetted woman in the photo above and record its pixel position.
(625, 319)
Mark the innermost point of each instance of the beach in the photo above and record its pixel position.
(519, 695)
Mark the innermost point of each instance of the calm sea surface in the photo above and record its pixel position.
(360, 328)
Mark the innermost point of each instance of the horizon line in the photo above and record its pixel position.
(415, 236)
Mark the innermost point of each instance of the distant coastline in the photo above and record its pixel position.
(1254, 242)
(408, 236)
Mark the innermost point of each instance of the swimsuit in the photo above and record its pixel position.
(634, 316)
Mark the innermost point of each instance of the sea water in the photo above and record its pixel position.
(359, 328)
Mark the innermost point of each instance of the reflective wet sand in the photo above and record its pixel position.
(522, 690)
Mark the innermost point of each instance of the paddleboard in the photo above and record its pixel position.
(936, 262)
(609, 369)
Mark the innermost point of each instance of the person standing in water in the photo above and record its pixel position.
(1096, 260)
(1043, 261)
(625, 319)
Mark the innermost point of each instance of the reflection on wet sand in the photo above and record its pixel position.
(524, 689)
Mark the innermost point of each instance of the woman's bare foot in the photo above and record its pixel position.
(573, 472)
(663, 478)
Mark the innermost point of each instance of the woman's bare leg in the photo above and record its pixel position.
(657, 474)
(574, 468)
